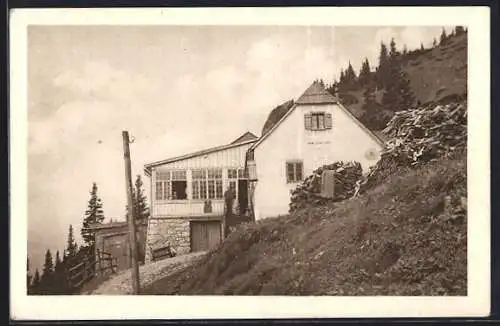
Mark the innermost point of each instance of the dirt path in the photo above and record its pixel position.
(121, 283)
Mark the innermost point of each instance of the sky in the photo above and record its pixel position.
(176, 89)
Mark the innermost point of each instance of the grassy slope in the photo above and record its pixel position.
(390, 241)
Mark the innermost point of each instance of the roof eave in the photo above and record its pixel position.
(148, 167)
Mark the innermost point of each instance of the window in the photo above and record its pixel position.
(199, 184)
(294, 172)
(171, 185)
(207, 184)
(179, 185)
(318, 121)
(162, 189)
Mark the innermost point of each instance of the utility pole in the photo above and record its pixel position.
(130, 216)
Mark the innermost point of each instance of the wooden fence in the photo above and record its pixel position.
(89, 267)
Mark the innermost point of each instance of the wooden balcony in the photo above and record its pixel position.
(190, 207)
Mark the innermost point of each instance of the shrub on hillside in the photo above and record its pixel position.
(308, 192)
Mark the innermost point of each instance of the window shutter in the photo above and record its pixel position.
(328, 121)
(307, 121)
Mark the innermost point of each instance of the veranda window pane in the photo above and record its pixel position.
(211, 189)
(178, 175)
(196, 189)
(218, 189)
(163, 175)
(159, 191)
(231, 174)
(203, 190)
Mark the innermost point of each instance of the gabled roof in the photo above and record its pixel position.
(315, 95)
(149, 166)
(246, 136)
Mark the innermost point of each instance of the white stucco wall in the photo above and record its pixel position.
(346, 141)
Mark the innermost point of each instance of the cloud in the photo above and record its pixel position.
(412, 37)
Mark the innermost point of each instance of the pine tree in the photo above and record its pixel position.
(60, 282)
(393, 50)
(141, 206)
(459, 30)
(350, 74)
(406, 93)
(434, 43)
(28, 276)
(333, 88)
(72, 247)
(342, 84)
(422, 46)
(398, 94)
(35, 284)
(47, 279)
(383, 66)
(364, 73)
(374, 117)
(93, 215)
(342, 77)
(443, 37)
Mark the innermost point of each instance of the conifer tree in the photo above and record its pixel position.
(350, 74)
(443, 37)
(35, 284)
(398, 94)
(374, 117)
(47, 279)
(333, 88)
(93, 215)
(72, 247)
(28, 276)
(342, 77)
(383, 66)
(434, 43)
(364, 73)
(141, 209)
(422, 46)
(393, 51)
(60, 283)
(459, 30)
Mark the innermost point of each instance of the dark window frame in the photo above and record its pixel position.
(294, 171)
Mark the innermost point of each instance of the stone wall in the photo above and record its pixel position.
(162, 231)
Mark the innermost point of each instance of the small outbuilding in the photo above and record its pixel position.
(113, 238)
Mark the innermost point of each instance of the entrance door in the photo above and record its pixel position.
(117, 246)
(205, 235)
(243, 196)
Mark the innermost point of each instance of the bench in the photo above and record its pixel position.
(162, 253)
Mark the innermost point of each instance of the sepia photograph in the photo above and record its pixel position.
(251, 160)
